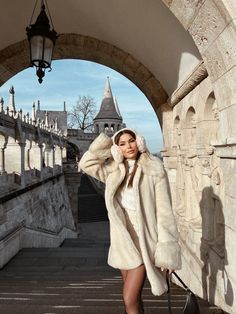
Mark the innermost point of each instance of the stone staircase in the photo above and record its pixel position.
(74, 278)
(91, 204)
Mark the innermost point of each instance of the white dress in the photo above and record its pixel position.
(127, 201)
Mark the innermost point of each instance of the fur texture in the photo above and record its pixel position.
(158, 235)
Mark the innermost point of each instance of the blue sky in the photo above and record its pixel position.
(71, 78)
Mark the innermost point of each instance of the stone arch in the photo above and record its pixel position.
(106, 127)
(209, 123)
(15, 58)
(189, 128)
(190, 116)
(207, 22)
(212, 27)
(177, 132)
(72, 152)
(208, 110)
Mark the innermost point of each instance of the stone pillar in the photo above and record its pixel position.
(28, 147)
(3, 145)
(22, 163)
(2, 161)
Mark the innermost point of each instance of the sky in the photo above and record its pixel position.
(70, 79)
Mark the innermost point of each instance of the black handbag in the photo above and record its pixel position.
(191, 305)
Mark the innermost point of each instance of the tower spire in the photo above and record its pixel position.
(108, 93)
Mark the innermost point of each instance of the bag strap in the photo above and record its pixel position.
(181, 281)
(168, 275)
(168, 292)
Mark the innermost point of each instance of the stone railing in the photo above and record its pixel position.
(30, 149)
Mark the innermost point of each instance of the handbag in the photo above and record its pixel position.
(191, 305)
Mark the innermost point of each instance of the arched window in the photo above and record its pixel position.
(189, 129)
(190, 120)
(210, 122)
(177, 132)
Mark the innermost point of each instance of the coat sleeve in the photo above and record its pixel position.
(167, 252)
(93, 161)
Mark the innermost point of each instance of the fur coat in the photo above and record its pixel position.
(158, 235)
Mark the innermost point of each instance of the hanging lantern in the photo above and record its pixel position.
(42, 40)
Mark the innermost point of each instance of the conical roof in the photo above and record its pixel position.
(108, 107)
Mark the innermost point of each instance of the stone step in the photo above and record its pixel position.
(75, 278)
(92, 206)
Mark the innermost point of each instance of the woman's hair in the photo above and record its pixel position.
(131, 175)
(118, 136)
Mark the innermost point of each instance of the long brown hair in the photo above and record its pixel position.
(127, 175)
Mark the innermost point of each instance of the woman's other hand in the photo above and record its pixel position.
(167, 269)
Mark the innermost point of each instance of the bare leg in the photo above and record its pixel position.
(132, 289)
(124, 273)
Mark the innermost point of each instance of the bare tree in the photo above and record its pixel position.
(82, 114)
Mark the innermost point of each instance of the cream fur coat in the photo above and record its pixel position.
(158, 235)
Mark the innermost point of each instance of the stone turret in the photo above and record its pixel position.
(108, 119)
(33, 113)
(11, 103)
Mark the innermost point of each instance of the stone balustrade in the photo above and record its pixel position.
(30, 149)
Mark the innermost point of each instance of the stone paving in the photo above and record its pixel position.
(74, 279)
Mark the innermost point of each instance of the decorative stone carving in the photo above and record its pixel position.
(215, 111)
(198, 75)
(213, 224)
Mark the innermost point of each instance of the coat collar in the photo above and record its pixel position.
(151, 165)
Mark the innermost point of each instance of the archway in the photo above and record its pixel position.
(73, 46)
(212, 27)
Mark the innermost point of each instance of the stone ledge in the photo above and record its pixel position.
(193, 80)
(16, 193)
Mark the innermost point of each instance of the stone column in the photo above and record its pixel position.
(2, 161)
(3, 145)
(22, 162)
(28, 147)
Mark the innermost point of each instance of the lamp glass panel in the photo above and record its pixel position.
(48, 48)
(37, 46)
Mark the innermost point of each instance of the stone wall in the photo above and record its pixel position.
(202, 177)
(41, 211)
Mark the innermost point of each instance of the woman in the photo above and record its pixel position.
(143, 232)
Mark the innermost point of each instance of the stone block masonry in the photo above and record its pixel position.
(37, 216)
